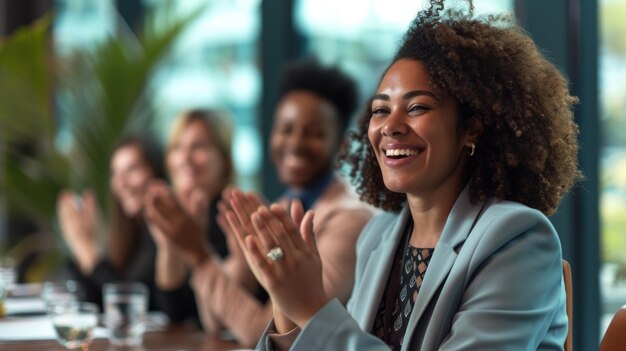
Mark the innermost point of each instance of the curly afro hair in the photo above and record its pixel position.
(328, 82)
(527, 150)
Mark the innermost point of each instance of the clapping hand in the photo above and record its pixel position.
(171, 224)
(224, 206)
(77, 219)
(236, 265)
(282, 255)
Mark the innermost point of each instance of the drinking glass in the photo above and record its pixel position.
(60, 292)
(74, 323)
(125, 306)
(7, 279)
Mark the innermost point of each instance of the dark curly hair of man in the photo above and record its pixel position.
(328, 82)
(527, 151)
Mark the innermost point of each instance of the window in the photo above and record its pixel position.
(363, 43)
(212, 65)
(612, 75)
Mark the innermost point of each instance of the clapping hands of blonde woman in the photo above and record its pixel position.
(294, 281)
(77, 219)
(172, 225)
(196, 204)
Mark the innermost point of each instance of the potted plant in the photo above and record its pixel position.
(61, 116)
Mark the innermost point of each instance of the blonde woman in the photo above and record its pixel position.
(199, 165)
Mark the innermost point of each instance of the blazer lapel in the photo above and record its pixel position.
(377, 270)
(459, 224)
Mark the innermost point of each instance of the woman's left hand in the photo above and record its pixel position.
(174, 226)
(293, 281)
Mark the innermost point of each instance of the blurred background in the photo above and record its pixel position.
(76, 74)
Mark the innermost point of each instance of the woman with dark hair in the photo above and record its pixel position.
(130, 252)
(312, 113)
(468, 144)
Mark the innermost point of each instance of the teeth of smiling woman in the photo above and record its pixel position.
(400, 152)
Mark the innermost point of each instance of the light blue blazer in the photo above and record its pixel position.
(495, 282)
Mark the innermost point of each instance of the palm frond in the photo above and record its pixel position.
(101, 94)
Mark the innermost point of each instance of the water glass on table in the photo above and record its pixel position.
(7, 280)
(60, 292)
(125, 306)
(74, 323)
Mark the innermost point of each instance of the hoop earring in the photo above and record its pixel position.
(472, 147)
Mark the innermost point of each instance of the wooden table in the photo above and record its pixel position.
(160, 337)
(171, 339)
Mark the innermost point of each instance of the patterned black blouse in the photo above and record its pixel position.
(400, 295)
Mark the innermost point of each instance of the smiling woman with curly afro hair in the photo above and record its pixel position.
(527, 151)
(468, 144)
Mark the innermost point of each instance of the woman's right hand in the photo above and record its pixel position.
(294, 281)
(77, 220)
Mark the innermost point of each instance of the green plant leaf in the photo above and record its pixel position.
(101, 95)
